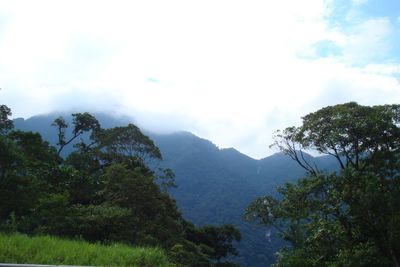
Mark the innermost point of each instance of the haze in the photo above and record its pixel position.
(229, 71)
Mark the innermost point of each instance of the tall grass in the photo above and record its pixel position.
(18, 248)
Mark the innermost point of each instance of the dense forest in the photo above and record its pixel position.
(213, 185)
(103, 191)
(346, 218)
(345, 211)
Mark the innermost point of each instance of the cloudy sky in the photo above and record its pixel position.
(232, 71)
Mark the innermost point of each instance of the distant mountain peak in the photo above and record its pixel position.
(234, 152)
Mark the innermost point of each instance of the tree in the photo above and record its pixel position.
(128, 141)
(103, 191)
(82, 122)
(218, 239)
(202, 244)
(27, 165)
(5, 123)
(348, 218)
(349, 132)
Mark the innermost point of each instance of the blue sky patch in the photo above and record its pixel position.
(382, 8)
(326, 48)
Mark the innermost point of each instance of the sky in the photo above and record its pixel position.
(231, 71)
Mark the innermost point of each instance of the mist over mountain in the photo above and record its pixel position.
(214, 185)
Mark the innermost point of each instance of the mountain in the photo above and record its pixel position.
(214, 185)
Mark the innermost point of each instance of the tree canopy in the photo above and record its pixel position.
(350, 217)
(104, 191)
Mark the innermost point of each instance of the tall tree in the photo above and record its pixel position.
(82, 123)
(348, 218)
(348, 132)
(5, 123)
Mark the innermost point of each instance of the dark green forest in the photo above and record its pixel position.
(102, 191)
(343, 212)
(213, 186)
(350, 217)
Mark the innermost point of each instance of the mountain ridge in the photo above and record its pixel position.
(214, 184)
(108, 121)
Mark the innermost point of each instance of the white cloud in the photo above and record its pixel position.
(226, 70)
(382, 69)
(368, 41)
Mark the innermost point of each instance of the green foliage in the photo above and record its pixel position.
(82, 123)
(218, 240)
(362, 255)
(166, 179)
(5, 123)
(355, 135)
(214, 185)
(24, 161)
(104, 222)
(188, 254)
(350, 218)
(104, 191)
(150, 208)
(19, 248)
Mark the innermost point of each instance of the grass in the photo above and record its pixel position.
(19, 248)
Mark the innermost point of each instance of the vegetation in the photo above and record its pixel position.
(18, 248)
(103, 191)
(347, 218)
(214, 185)
(350, 217)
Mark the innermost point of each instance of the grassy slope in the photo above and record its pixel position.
(18, 248)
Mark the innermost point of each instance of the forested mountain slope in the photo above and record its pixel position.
(214, 185)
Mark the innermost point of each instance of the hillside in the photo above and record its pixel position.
(214, 185)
